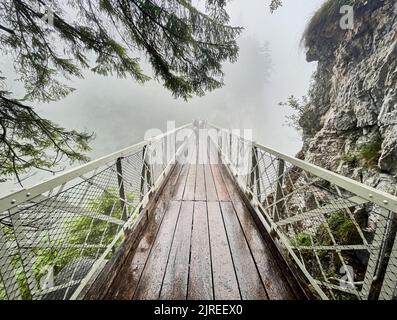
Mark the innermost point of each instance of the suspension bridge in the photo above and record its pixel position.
(198, 213)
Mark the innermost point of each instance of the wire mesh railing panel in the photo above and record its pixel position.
(389, 287)
(134, 179)
(339, 234)
(57, 240)
(51, 241)
(342, 242)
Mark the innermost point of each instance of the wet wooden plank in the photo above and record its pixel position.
(224, 277)
(190, 187)
(213, 155)
(203, 149)
(179, 186)
(177, 272)
(106, 276)
(251, 286)
(103, 282)
(150, 283)
(200, 274)
(220, 186)
(200, 193)
(172, 183)
(230, 257)
(210, 184)
(126, 282)
(276, 285)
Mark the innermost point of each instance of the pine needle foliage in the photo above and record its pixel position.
(184, 46)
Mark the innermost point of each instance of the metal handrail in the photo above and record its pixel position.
(15, 198)
(128, 171)
(381, 198)
(295, 206)
(69, 225)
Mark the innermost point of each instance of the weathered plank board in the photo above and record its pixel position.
(102, 283)
(127, 279)
(200, 193)
(150, 283)
(190, 184)
(200, 274)
(220, 186)
(179, 187)
(224, 277)
(198, 240)
(202, 156)
(251, 286)
(175, 281)
(210, 184)
(180, 183)
(276, 284)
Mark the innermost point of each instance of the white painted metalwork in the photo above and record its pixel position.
(56, 235)
(318, 219)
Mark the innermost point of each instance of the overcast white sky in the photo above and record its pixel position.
(120, 111)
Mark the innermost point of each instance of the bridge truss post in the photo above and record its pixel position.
(278, 207)
(389, 286)
(230, 147)
(378, 275)
(123, 200)
(146, 173)
(254, 177)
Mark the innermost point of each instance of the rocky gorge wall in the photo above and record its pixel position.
(350, 121)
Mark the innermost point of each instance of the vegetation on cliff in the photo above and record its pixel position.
(325, 20)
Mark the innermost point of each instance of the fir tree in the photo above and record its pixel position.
(53, 41)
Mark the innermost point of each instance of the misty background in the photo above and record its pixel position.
(270, 68)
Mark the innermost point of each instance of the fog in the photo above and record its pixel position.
(271, 67)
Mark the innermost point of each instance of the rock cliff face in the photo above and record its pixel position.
(350, 123)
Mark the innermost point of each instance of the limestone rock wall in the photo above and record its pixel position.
(350, 123)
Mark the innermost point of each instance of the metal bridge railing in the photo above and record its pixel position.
(339, 234)
(53, 235)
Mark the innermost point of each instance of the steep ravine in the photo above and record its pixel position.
(350, 123)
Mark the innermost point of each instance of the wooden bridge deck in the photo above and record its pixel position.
(201, 242)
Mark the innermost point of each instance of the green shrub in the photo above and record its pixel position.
(367, 155)
(79, 229)
(351, 159)
(301, 239)
(322, 237)
(343, 229)
(370, 153)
